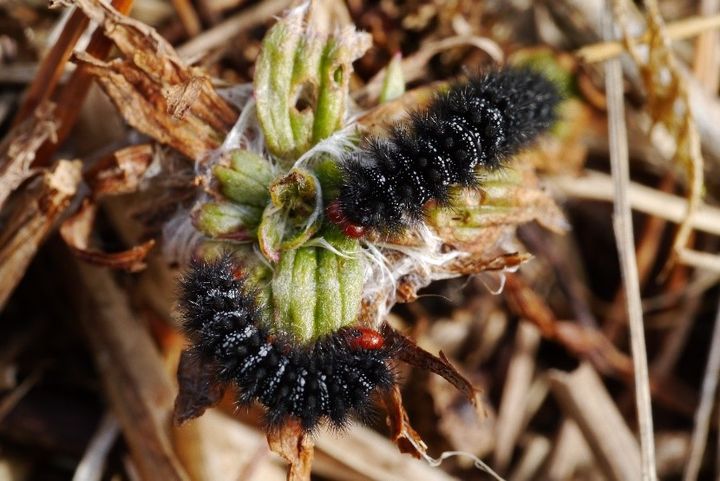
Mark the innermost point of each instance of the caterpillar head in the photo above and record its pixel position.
(366, 201)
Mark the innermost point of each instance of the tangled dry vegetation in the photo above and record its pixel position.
(591, 334)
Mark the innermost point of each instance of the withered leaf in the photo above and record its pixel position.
(403, 435)
(409, 352)
(120, 172)
(34, 216)
(198, 388)
(293, 444)
(76, 231)
(156, 92)
(18, 149)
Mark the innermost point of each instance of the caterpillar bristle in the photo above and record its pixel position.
(331, 379)
(479, 122)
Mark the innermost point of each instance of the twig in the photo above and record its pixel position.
(704, 410)
(90, 467)
(622, 220)
(679, 30)
(583, 397)
(223, 32)
(706, 62)
(599, 186)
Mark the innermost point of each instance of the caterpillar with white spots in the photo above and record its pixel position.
(331, 379)
(478, 123)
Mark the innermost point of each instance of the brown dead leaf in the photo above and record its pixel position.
(402, 434)
(466, 427)
(407, 351)
(34, 215)
(18, 149)
(295, 446)
(198, 388)
(76, 232)
(156, 92)
(121, 172)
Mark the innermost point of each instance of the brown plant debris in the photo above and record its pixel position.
(535, 371)
(197, 388)
(18, 149)
(296, 447)
(32, 218)
(156, 92)
(77, 230)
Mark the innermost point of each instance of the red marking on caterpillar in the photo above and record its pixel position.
(354, 231)
(478, 123)
(366, 338)
(335, 215)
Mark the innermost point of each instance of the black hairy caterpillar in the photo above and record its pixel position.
(476, 123)
(331, 379)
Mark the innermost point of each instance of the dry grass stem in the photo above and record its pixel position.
(511, 415)
(700, 260)
(92, 464)
(706, 63)
(622, 222)
(217, 36)
(708, 399)
(679, 30)
(599, 186)
(669, 105)
(584, 399)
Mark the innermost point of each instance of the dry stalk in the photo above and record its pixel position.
(34, 216)
(583, 397)
(706, 62)
(599, 186)
(622, 222)
(135, 381)
(217, 37)
(664, 96)
(679, 30)
(510, 421)
(704, 410)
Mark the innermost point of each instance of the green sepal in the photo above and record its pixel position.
(293, 215)
(246, 180)
(301, 82)
(227, 220)
(316, 290)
